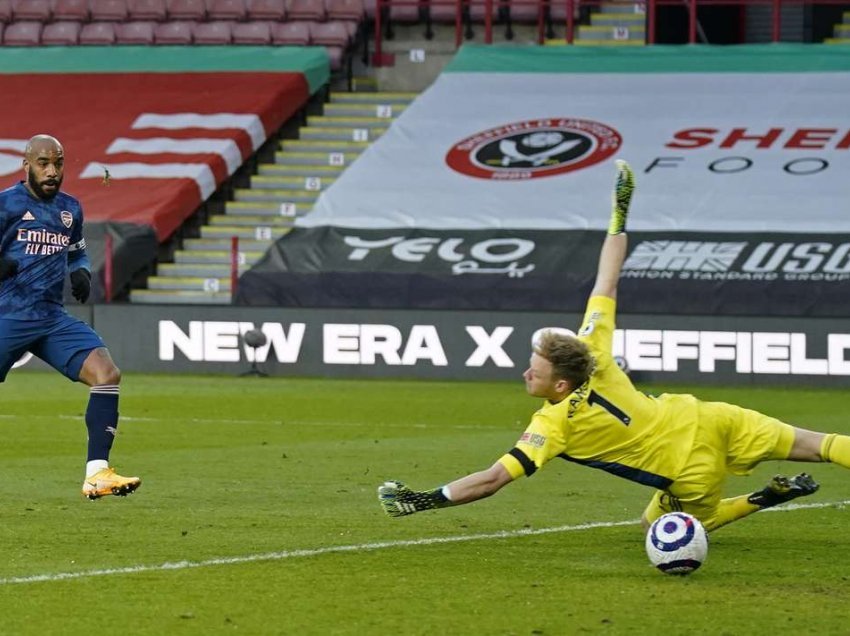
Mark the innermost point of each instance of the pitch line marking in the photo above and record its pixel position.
(363, 547)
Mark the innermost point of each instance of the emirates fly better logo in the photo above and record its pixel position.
(534, 148)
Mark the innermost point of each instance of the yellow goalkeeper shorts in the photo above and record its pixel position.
(729, 439)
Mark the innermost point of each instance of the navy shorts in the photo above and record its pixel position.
(59, 340)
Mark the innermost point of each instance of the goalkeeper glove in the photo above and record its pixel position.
(81, 284)
(8, 268)
(621, 198)
(398, 500)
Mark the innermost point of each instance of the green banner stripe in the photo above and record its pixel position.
(312, 61)
(748, 58)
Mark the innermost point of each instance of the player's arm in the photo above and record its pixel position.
(613, 252)
(8, 266)
(398, 500)
(79, 265)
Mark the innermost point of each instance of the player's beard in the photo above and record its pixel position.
(38, 188)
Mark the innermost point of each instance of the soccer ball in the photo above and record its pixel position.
(677, 543)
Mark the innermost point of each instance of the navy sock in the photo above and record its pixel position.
(102, 420)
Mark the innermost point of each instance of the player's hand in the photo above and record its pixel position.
(624, 187)
(8, 268)
(81, 284)
(398, 500)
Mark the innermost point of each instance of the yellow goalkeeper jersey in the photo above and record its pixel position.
(607, 423)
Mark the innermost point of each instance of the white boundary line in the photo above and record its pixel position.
(363, 547)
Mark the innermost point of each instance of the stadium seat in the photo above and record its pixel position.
(267, 10)
(256, 33)
(173, 33)
(335, 57)
(443, 11)
(291, 33)
(213, 33)
(345, 10)
(108, 10)
(31, 11)
(98, 33)
(140, 33)
(523, 11)
(187, 10)
(306, 10)
(61, 34)
(226, 10)
(329, 34)
(5, 11)
(73, 10)
(22, 34)
(144, 10)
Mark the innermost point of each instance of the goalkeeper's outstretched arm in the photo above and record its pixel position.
(398, 500)
(613, 252)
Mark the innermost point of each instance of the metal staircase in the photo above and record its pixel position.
(278, 194)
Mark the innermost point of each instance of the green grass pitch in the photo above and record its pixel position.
(258, 515)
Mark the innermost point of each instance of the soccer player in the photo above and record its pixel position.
(41, 241)
(593, 415)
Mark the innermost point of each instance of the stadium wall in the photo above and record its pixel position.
(451, 345)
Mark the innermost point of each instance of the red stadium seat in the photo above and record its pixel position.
(226, 10)
(523, 11)
(257, 33)
(22, 34)
(267, 10)
(335, 56)
(31, 11)
(140, 33)
(213, 33)
(173, 33)
(73, 10)
(345, 10)
(5, 11)
(98, 33)
(143, 10)
(109, 10)
(291, 33)
(187, 10)
(329, 34)
(306, 10)
(61, 34)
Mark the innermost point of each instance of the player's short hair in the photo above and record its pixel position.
(570, 357)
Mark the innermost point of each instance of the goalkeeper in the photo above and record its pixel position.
(680, 446)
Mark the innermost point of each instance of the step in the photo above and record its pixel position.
(621, 7)
(609, 33)
(618, 19)
(267, 208)
(269, 195)
(260, 232)
(381, 123)
(252, 220)
(308, 185)
(348, 133)
(331, 159)
(301, 172)
(223, 244)
(347, 110)
(321, 147)
(842, 31)
(836, 41)
(219, 257)
(202, 270)
(174, 297)
(190, 283)
(373, 98)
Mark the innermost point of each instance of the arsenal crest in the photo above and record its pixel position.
(67, 218)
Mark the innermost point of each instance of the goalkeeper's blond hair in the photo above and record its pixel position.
(571, 359)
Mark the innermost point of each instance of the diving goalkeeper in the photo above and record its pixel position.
(680, 446)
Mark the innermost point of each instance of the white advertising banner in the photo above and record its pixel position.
(713, 151)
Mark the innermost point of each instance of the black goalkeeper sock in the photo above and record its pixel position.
(102, 420)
